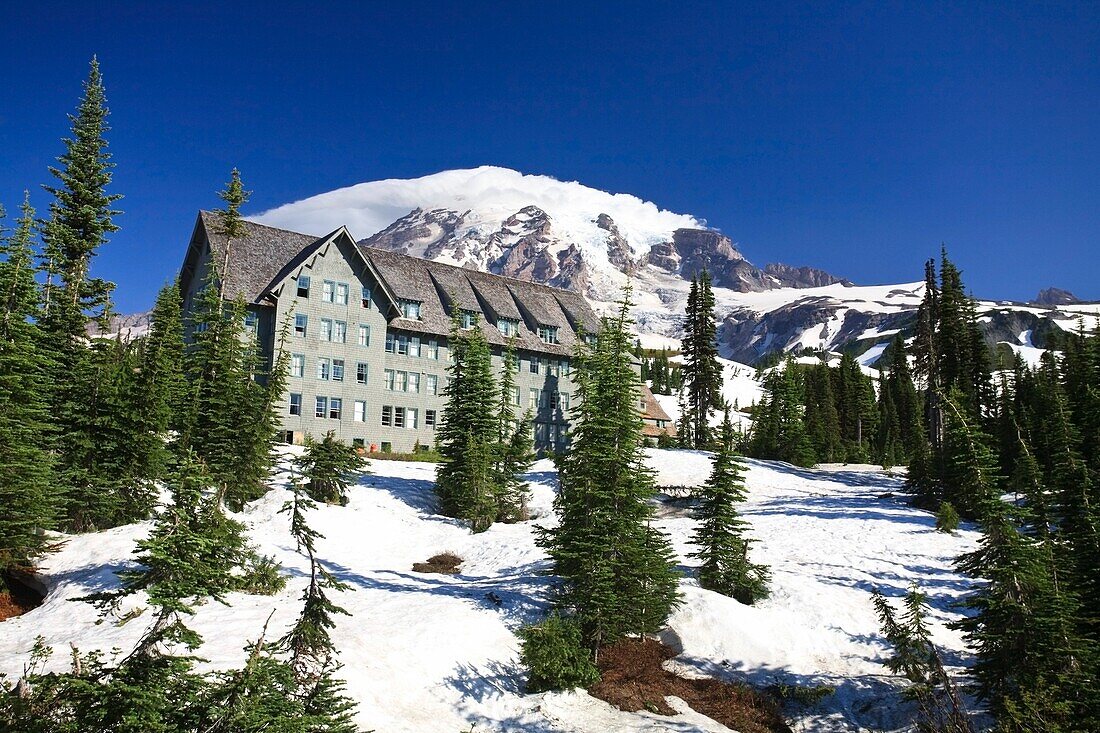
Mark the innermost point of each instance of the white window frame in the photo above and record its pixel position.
(340, 297)
(297, 365)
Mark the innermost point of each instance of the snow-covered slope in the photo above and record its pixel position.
(437, 653)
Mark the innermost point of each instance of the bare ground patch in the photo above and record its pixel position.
(634, 679)
(446, 563)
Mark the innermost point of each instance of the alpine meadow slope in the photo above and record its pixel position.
(426, 653)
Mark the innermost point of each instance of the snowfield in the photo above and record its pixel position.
(439, 653)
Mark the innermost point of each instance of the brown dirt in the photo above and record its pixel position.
(446, 563)
(16, 599)
(633, 679)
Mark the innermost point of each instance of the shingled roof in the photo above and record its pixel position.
(265, 256)
(255, 260)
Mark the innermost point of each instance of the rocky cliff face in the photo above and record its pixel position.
(802, 277)
(1055, 296)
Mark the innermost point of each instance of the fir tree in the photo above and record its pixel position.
(329, 467)
(723, 549)
(468, 432)
(26, 477)
(513, 440)
(617, 571)
(702, 371)
(162, 377)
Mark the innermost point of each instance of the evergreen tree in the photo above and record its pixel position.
(468, 432)
(723, 549)
(514, 455)
(916, 658)
(702, 371)
(162, 377)
(329, 466)
(617, 571)
(899, 422)
(26, 476)
(778, 429)
(81, 218)
(970, 469)
(821, 417)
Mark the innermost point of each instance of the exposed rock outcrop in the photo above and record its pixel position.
(1055, 296)
(802, 277)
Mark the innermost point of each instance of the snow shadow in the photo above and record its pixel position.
(861, 702)
(417, 493)
(863, 507)
(517, 595)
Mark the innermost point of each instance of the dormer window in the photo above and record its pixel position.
(508, 326)
(303, 286)
(548, 334)
(366, 296)
(467, 319)
(410, 309)
(590, 339)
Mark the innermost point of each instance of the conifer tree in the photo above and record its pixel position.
(329, 467)
(26, 477)
(702, 373)
(162, 377)
(81, 218)
(514, 454)
(723, 549)
(778, 429)
(821, 417)
(617, 571)
(468, 431)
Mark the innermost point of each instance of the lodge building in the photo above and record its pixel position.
(369, 332)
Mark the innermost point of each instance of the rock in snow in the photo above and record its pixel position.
(438, 653)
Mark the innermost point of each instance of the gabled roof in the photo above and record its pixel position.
(254, 260)
(254, 265)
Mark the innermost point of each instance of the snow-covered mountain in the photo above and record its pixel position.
(569, 235)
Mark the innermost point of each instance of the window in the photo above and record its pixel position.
(414, 382)
(429, 418)
(387, 415)
(467, 319)
(590, 339)
(321, 407)
(340, 331)
(300, 320)
(565, 367)
(507, 326)
(359, 443)
(303, 286)
(365, 300)
(555, 400)
(410, 309)
(414, 346)
(534, 398)
(544, 398)
(565, 400)
(328, 288)
(515, 396)
(433, 349)
(359, 413)
(431, 384)
(334, 406)
(297, 365)
(387, 446)
(555, 368)
(251, 322)
(324, 368)
(533, 364)
(402, 345)
(401, 381)
(326, 330)
(391, 339)
(295, 404)
(341, 293)
(399, 417)
(361, 373)
(544, 367)
(411, 415)
(338, 370)
(548, 334)
(364, 334)
(389, 379)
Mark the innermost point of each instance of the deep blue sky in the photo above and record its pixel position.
(856, 137)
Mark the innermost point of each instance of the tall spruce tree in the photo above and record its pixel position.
(723, 549)
(514, 455)
(329, 466)
(465, 481)
(26, 476)
(81, 218)
(162, 358)
(617, 572)
(702, 373)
